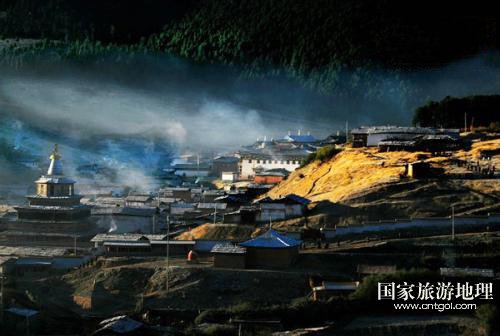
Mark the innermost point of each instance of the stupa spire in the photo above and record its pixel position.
(55, 167)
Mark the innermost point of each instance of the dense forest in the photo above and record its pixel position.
(300, 34)
(340, 46)
(119, 21)
(478, 111)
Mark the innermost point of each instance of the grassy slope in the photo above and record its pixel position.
(364, 184)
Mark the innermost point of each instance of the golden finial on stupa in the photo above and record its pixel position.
(55, 153)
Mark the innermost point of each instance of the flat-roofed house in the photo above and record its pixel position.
(191, 169)
(138, 200)
(289, 206)
(372, 136)
(272, 176)
(227, 164)
(227, 255)
(255, 160)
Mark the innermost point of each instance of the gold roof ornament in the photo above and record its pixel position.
(55, 167)
(55, 153)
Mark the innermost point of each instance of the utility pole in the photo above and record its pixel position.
(168, 252)
(346, 131)
(452, 222)
(1, 299)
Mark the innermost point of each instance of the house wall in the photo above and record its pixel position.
(128, 224)
(436, 222)
(219, 167)
(293, 210)
(229, 260)
(271, 257)
(192, 173)
(248, 165)
(271, 211)
(228, 176)
(268, 179)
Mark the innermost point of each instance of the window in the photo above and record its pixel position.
(249, 161)
(258, 161)
(287, 161)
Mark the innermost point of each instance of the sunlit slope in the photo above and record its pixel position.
(351, 172)
(218, 231)
(370, 185)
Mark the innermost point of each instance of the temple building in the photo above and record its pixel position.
(54, 213)
(55, 198)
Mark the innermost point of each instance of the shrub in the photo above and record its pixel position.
(486, 315)
(211, 316)
(323, 154)
(219, 329)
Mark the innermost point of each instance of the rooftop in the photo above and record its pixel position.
(228, 248)
(126, 237)
(300, 138)
(226, 159)
(271, 239)
(32, 251)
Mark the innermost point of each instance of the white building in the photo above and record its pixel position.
(229, 176)
(251, 162)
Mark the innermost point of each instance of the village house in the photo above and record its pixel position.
(210, 195)
(252, 161)
(209, 208)
(396, 136)
(141, 245)
(224, 164)
(129, 219)
(20, 260)
(271, 176)
(229, 176)
(271, 250)
(282, 208)
(191, 169)
(183, 194)
(299, 138)
(244, 215)
(138, 200)
(227, 255)
(148, 248)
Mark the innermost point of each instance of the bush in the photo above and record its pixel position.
(323, 154)
(211, 316)
(219, 329)
(486, 315)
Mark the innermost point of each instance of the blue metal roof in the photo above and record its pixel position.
(271, 239)
(300, 138)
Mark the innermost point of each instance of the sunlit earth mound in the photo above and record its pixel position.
(218, 231)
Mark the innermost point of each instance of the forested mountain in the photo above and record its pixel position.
(476, 111)
(299, 34)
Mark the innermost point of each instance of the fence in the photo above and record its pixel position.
(402, 224)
